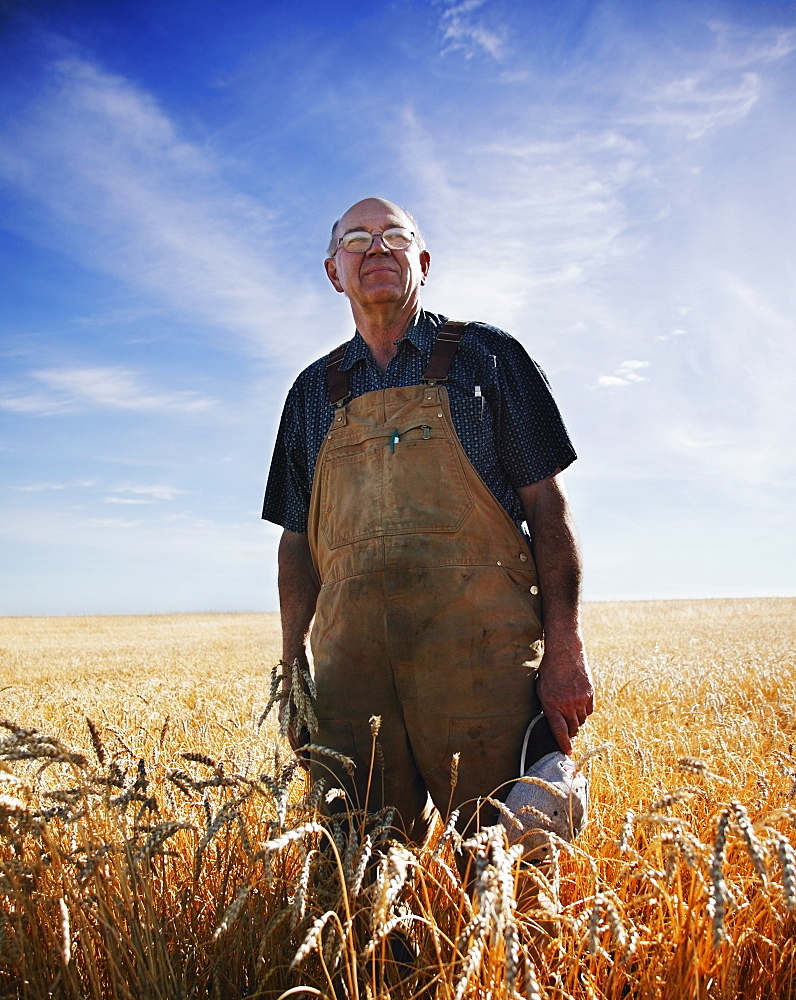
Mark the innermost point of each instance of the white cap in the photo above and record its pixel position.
(555, 799)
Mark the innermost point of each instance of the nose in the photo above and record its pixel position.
(381, 248)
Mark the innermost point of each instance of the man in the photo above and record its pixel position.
(405, 465)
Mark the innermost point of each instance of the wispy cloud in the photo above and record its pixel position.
(126, 500)
(737, 46)
(588, 230)
(461, 32)
(149, 493)
(717, 89)
(71, 389)
(551, 201)
(130, 494)
(138, 201)
(697, 103)
(47, 487)
(543, 216)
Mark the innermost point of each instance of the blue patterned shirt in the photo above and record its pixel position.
(500, 400)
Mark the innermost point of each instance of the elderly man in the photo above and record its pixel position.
(407, 464)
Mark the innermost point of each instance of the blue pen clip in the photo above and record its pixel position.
(394, 438)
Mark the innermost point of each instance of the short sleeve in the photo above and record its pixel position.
(531, 439)
(287, 493)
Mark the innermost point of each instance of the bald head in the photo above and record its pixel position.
(375, 206)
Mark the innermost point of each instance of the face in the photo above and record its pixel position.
(380, 275)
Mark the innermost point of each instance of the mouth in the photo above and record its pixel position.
(380, 270)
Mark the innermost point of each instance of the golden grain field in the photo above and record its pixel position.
(155, 843)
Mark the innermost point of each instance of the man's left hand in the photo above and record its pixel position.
(564, 687)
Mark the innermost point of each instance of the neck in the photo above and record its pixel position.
(381, 325)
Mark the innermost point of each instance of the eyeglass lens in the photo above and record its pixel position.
(360, 241)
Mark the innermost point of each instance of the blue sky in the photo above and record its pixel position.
(612, 182)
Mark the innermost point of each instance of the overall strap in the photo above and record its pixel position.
(337, 381)
(445, 346)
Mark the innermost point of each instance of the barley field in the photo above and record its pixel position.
(157, 841)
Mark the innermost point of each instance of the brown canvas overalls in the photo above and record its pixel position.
(429, 611)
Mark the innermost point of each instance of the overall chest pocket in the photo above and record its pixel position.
(400, 481)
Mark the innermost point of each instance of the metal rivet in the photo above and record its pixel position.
(439, 414)
(534, 590)
(523, 557)
(499, 563)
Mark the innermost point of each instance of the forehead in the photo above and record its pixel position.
(374, 215)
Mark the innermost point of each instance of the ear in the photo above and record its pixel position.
(425, 264)
(331, 272)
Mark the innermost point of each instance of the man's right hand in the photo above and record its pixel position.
(297, 737)
(298, 591)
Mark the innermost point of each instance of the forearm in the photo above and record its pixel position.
(564, 681)
(298, 593)
(557, 556)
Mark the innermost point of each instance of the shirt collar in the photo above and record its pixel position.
(421, 333)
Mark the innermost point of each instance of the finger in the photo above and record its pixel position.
(560, 729)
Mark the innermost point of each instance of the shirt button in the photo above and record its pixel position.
(534, 590)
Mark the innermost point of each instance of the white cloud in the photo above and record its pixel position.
(137, 201)
(630, 370)
(608, 380)
(132, 493)
(40, 487)
(71, 389)
(33, 404)
(626, 374)
(153, 492)
(114, 523)
(46, 487)
(125, 500)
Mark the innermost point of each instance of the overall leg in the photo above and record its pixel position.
(472, 643)
(355, 683)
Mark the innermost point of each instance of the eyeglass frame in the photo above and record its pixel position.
(372, 238)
